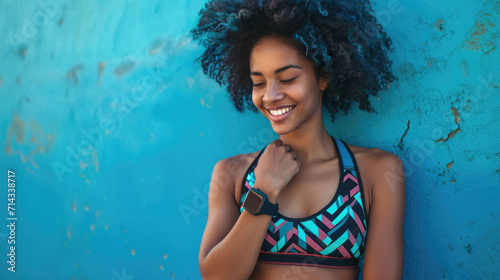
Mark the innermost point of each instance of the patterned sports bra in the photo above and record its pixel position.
(334, 237)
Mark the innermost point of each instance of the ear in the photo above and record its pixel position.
(323, 83)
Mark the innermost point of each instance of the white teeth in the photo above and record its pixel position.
(280, 111)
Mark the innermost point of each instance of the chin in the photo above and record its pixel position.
(281, 130)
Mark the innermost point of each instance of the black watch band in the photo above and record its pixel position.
(257, 203)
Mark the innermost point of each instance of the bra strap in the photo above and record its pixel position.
(344, 154)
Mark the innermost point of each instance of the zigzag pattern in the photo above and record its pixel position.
(336, 231)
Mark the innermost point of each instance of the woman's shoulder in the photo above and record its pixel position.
(234, 168)
(238, 161)
(375, 156)
(381, 171)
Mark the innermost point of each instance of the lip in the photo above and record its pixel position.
(281, 117)
(278, 107)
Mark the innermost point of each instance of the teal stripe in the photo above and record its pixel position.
(332, 247)
(335, 205)
(337, 226)
(312, 227)
(340, 217)
(302, 237)
(357, 196)
(355, 247)
(279, 222)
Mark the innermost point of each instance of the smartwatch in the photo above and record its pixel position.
(257, 203)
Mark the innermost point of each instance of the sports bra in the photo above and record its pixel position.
(333, 237)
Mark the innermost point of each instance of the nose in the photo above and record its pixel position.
(273, 93)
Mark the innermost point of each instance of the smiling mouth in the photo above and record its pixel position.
(281, 114)
(281, 111)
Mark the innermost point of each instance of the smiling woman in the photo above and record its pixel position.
(307, 205)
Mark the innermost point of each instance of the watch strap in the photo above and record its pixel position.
(267, 208)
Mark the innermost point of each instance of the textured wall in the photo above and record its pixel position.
(113, 132)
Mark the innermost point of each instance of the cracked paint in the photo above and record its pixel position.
(452, 134)
(401, 145)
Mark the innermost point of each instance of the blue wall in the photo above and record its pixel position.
(113, 131)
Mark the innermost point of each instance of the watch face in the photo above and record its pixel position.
(253, 202)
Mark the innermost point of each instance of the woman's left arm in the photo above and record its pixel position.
(384, 244)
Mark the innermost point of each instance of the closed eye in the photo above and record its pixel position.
(289, 80)
(283, 81)
(258, 85)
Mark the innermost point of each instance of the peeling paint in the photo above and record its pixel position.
(479, 37)
(124, 67)
(464, 66)
(74, 73)
(157, 46)
(132, 251)
(69, 234)
(438, 25)
(449, 165)
(100, 69)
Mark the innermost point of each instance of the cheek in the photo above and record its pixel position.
(255, 99)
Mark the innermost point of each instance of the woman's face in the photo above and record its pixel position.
(285, 88)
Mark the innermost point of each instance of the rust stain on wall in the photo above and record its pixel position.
(38, 142)
(100, 68)
(480, 38)
(438, 25)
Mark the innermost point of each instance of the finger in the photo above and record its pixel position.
(294, 155)
(287, 148)
(278, 142)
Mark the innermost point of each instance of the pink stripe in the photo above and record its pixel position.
(358, 221)
(313, 244)
(270, 239)
(343, 251)
(354, 191)
(351, 238)
(290, 233)
(345, 198)
(277, 228)
(349, 176)
(322, 234)
(295, 247)
(247, 185)
(353, 202)
(326, 221)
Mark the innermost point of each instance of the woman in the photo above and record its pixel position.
(307, 205)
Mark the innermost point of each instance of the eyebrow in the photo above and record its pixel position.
(277, 71)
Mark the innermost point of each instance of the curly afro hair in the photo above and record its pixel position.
(341, 38)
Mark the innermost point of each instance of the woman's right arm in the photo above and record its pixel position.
(231, 242)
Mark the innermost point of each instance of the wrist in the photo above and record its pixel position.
(271, 193)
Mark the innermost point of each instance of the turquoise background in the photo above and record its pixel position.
(113, 132)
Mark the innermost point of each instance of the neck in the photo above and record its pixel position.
(311, 144)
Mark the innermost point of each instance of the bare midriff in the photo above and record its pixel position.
(265, 271)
